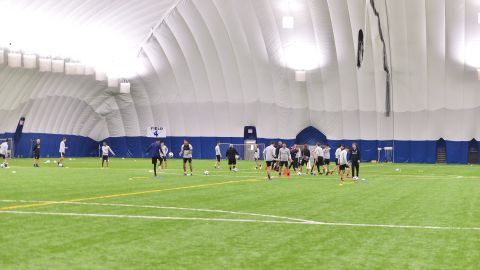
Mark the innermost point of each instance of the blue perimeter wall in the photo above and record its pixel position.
(78, 146)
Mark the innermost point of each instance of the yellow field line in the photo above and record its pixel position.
(128, 194)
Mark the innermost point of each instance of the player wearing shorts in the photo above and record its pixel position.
(155, 153)
(62, 150)
(186, 151)
(305, 157)
(36, 153)
(326, 159)
(269, 153)
(343, 163)
(231, 155)
(256, 157)
(218, 156)
(163, 155)
(337, 158)
(318, 154)
(106, 150)
(3, 153)
(284, 157)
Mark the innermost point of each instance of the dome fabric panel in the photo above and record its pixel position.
(214, 66)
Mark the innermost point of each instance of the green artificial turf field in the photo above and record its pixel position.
(82, 217)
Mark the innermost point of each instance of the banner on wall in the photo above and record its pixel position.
(156, 132)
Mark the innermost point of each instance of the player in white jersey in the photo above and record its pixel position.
(343, 161)
(269, 153)
(256, 157)
(62, 150)
(218, 156)
(106, 150)
(163, 155)
(3, 153)
(337, 158)
(284, 157)
(326, 159)
(318, 155)
(187, 154)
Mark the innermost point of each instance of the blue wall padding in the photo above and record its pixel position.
(78, 146)
(457, 152)
(405, 151)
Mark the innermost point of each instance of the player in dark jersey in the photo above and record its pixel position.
(294, 152)
(305, 157)
(355, 161)
(154, 151)
(231, 155)
(36, 153)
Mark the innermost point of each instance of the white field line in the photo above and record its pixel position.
(287, 221)
(241, 220)
(158, 207)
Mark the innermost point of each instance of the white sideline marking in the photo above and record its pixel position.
(287, 221)
(159, 207)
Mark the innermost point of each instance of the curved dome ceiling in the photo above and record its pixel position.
(214, 66)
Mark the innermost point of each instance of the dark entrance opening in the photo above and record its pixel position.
(473, 152)
(441, 151)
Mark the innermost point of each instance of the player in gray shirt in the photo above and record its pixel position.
(284, 157)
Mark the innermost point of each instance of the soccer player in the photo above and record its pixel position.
(155, 152)
(218, 156)
(61, 150)
(3, 153)
(326, 159)
(36, 153)
(269, 158)
(343, 161)
(277, 149)
(256, 157)
(163, 155)
(305, 157)
(106, 150)
(294, 152)
(231, 155)
(355, 160)
(186, 153)
(319, 158)
(337, 158)
(284, 157)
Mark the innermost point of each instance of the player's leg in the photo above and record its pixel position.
(267, 169)
(191, 168)
(154, 163)
(341, 171)
(184, 166)
(287, 169)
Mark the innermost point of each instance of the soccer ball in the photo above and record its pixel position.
(299, 173)
(206, 173)
(237, 157)
(2, 166)
(170, 155)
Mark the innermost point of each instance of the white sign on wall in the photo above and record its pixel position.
(156, 132)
